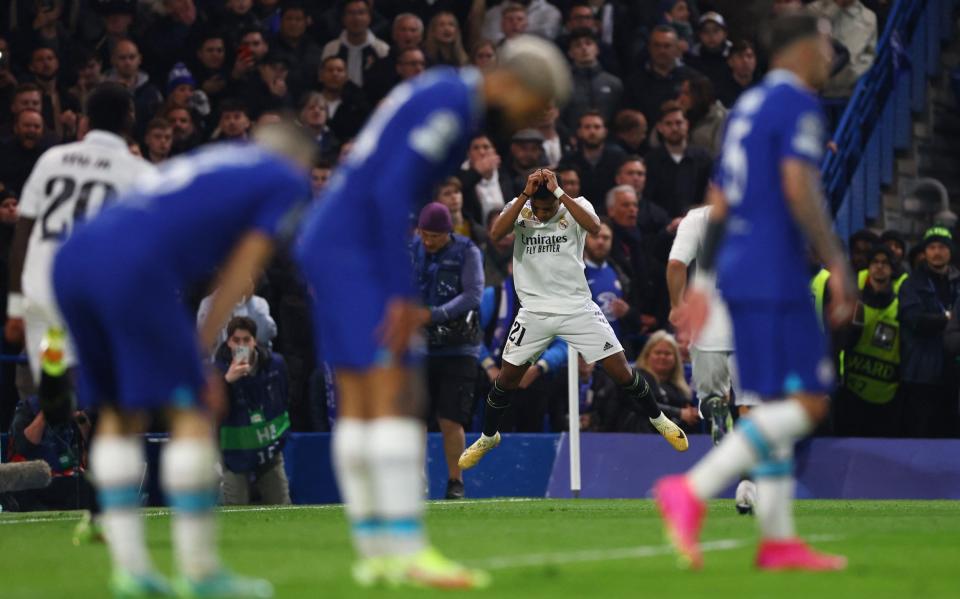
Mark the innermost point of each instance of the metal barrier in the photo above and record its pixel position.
(877, 119)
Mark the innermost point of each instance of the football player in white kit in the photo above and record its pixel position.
(714, 363)
(551, 230)
(69, 184)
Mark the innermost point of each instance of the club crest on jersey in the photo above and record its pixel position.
(526, 213)
(563, 224)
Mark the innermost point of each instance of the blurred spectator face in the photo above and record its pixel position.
(583, 52)
(159, 141)
(242, 338)
(180, 96)
(234, 124)
(407, 33)
(274, 76)
(598, 245)
(591, 132)
(513, 23)
(183, 126)
(333, 74)
(27, 100)
(269, 118)
(356, 17)
(712, 35)
(663, 50)
(581, 17)
(8, 211)
(44, 64)
(685, 98)
(432, 241)
(480, 148)
(662, 360)
(126, 59)
(293, 24)
(937, 255)
(781, 7)
(451, 197)
(624, 209)
(318, 178)
(135, 149)
(570, 182)
(314, 112)
(258, 46)
(485, 56)
(680, 12)
(743, 64)
(673, 128)
(444, 28)
(28, 128)
(182, 11)
(411, 63)
(637, 132)
(118, 24)
(880, 270)
(634, 174)
(239, 7)
(549, 118)
(526, 154)
(860, 254)
(896, 248)
(212, 53)
(89, 74)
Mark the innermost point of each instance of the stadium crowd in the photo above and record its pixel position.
(653, 83)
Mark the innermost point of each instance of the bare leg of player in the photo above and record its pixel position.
(498, 400)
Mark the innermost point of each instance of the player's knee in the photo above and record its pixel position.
(116, 461)
(816, 406)
(188, 472)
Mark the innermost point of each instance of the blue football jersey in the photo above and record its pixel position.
(186, 217)
(418, 135)
(764, 256)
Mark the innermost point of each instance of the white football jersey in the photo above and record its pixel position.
(70, 183)
(717, 333)
(548, 261)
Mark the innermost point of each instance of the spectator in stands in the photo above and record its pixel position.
(60, 109)
(252, 49)
(556, 136)
(302, 55)
(210, 65)
(484, 55)
(234, 121)
(407, 34)
(898, 245)
(855, 26)
(63, 445)
(742, 61)
(313, 118)
(26, 96)
(867, 403)
(444, 42)
(569, 179)
(580, 16)
(606, 283)
(21, 151)
(269, 90)
(450, 194)
(498, 255)
(186, 135)
(927, 299)
(706, 114)
(89, 75)
(659, 79)
(357, 45)
(250, 306)
(859, 246)
(677, 173)
(255, 428)
(523, 16)
(410, 63)
(596, 161)
(347, 109)
(526, 154)
(126, 60)
(630, 132)
(661, 358)
(320, 174)
(175, 27)
(449, 273)
(710, 54)
(116, 17)
(655, 225)
(158, 140)
(487, 184)
(593, 88)
(676, 15)
(237, 16)
(180, 87)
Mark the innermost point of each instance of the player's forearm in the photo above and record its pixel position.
(676, 281)
(589, 221)
(806, 203)
(503, 226)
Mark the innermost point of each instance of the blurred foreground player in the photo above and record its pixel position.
(353, 251)
(771, 199)
(550, 231)
(116, 282)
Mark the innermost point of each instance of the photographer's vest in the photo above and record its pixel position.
(871, 370)
(438, 275)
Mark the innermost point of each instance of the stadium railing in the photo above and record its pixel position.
(877, 119)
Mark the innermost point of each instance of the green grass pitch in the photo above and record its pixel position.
(533, 548)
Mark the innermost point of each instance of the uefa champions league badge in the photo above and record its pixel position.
(563, 224)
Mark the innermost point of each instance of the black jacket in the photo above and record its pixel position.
(677, 187)
(596, 181)
(925, 297)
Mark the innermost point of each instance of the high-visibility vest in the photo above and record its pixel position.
(871, 370)
(818, 287)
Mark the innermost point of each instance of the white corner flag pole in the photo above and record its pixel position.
(573, 401)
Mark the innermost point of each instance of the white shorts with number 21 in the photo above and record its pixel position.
(586, 331)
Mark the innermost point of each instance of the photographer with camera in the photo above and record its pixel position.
(449, 273)
(255, 428)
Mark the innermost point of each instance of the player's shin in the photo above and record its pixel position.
(189, 481)
(639, 391)
(353, 468)
(396, 446)
(117, 466)
(497, 403)
(775, 490)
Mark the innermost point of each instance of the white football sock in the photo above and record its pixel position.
(774, 423)
(117, 465)
(397, 447)
(189, 479)
(352, 466)
(774, 507)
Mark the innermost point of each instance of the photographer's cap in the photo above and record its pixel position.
(539, 64)
(435, 218)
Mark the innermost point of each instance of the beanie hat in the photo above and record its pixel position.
(435, 217)
(896, 237)
(938, 233)
(179, 75)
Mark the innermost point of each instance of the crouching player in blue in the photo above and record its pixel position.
(770, 198)
(117, 281)
(353, 252)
